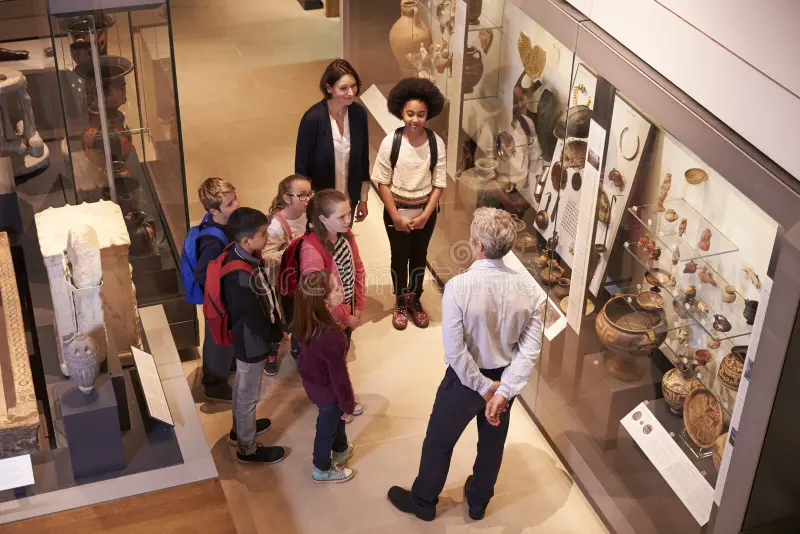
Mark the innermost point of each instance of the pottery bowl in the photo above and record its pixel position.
(650, 300)
(695, 176)
(486, 167)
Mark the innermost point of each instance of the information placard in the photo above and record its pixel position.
(16, 472)
(157, 405)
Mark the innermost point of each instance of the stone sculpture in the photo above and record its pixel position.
(74, 288)
(82, 358)
(19, 416)
(18, 135)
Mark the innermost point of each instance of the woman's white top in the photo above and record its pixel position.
(341, 152)
(412, 177)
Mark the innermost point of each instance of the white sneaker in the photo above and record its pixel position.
(334, 475)
(358, 409)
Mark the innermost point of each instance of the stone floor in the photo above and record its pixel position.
(247, 70)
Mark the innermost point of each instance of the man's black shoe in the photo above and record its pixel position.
(262, 425)
(263, 455)
(473, 514)
(401, 499)
(219, 393)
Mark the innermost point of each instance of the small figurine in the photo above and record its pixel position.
(655, 254)
(752, 276)
(676, 255)
(643, 242)
(543, 260)
(690, 293)
(616, 178)
(729, 295)
(721, 323)
(690, 267)
(682, 227)
(683, 335)
(663, 192)
(671, 215)
(705, 240)
(706, 277)
(672, 282)
(712, 342)
(423, 52)
(702, 306)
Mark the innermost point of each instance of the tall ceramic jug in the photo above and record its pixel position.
(407, 34)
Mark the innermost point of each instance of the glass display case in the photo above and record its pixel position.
(119, 143)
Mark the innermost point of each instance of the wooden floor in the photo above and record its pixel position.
(191, 508)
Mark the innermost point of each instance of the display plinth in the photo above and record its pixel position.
(91, 424)
(310, 4)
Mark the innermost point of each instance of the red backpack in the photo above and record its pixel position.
(289, 272)
(213, 308)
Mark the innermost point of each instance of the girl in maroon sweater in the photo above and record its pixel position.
(323, 368)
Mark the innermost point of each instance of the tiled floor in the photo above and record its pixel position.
(247, 69)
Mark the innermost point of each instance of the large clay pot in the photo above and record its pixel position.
(676, 386)
(113, 70)
(473, 69)
(630, 333)
(82, 358)
(79, 29)
(730, 369)
(474, 8)
(120, 138)
(407, 34)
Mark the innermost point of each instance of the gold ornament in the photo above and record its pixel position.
(533, 56)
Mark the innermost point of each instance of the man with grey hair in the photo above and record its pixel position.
(492, 328)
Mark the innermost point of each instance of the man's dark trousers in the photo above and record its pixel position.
(455, 406)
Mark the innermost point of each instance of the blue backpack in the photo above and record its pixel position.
(194, 294)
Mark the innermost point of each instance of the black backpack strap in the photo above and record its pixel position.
(434, 146)
(398, 139)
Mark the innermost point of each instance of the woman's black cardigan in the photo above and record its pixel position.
(314, 155)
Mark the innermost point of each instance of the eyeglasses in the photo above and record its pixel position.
(302, 196)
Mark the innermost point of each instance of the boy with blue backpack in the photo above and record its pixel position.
(204, 243)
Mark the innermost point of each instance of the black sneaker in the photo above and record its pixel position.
(219, 393)
(473, 514)
(262, 455)
(271, 367)
(401, 499)
(262, 425)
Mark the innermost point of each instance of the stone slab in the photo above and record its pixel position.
(19, 416)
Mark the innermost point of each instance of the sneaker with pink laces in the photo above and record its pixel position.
(271, 365)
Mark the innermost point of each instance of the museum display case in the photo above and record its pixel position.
(92, 210)
(657, 234)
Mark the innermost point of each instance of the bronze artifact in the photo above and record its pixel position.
(650, 300)
(682, 227)
(749, 312)
(616, 178)
(541, 180)
(730, 369)
(703, 417)
(486, 38)
(729, 294)
(690, 267)
(561, 289)
(695, 176)
(721, 323)
(630, 333)
(712, 343)
(474, 8)
(671, 215)
(753, 277)
(622, 148)
(676, 385)
(718, 451)
(542, 219)
(663, 192)
(603, 208)
(657, 277)
(706, 277)
(577, 181)
(574, 123)
(558, 176)
(705, 240)
(575, 153)
(551, 275)
(473, 69)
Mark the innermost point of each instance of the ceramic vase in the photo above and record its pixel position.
(407, 35)
(119, 137)
(473, 68)
(81, 356)
(79, 29)
(560, 290)
(142, 232)
(749, 312)
(474, 8)
(676, 385)
(730, 369)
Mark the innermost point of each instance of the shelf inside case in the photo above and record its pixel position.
(668, 232)
(706, 293)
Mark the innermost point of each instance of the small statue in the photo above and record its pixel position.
(706, 277)
(81, 355)
(690, 267)
(663, 192)
(683, 335)
(690, 293)
(682, 227)
(752, 276)
(676, 255)
(655, 254)
(423, 52)
(672, 282)
(671, 215)
(702, 306)
(643, 242)
(705, 240)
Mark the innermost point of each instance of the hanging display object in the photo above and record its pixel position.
(533, 56)
(575, 153)
(541, 180)
(703, 417)
(577, 181)
(695, 176)
(473, 69)
(631, 333)
(603, 208)
(626, 148)
(574, 123)
(542, 218)
(486, 37)
(558, 176)
(616, 178)
(407, 35)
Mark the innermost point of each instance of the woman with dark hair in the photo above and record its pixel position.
(410, 171)
(332, 142)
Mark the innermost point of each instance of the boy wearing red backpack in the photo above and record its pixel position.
(255, 324)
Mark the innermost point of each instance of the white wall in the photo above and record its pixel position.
(737, 58)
